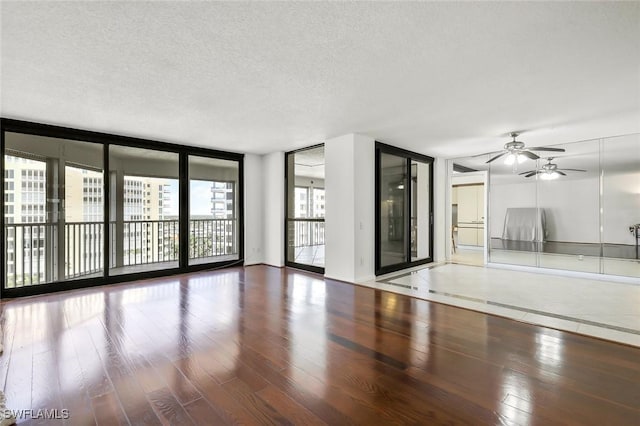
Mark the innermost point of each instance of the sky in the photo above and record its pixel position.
(200, 203)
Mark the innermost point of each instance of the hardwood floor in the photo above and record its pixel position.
(263, 345)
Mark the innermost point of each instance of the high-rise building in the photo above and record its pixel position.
(222, 196)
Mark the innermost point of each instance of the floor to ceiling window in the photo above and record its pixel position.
(213, 209)
(53, 226)
(304, 175)
(84, 208)
(404, 209)
(144, 220)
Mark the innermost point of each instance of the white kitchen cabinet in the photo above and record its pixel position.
(470, 201)
(480, 203)
(480, 237)
(467, 236)
(467, 204)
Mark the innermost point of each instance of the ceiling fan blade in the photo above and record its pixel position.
(529, 154)
(486, 153)
(532, 174)
(527, 172)
(546, 148)
(496, 157)
(574, 170)
(560, 173)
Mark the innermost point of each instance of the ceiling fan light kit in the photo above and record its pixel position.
(517, 152)
(511, 159)
(549, 171)
(549, 175)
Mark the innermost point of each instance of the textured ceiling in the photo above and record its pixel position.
(444, 79)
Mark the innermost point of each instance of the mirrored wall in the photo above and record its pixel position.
(576, 209)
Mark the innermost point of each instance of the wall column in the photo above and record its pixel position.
(273, 224)
(349, 208)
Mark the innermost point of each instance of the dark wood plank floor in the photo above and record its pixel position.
(263, 345)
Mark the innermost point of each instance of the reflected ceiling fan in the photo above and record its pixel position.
(516, 152)
(549, 171)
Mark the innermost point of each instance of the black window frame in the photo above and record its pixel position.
(287, 219)
(382, 148)
(106, 139)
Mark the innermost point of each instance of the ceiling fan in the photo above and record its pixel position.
(516, 152)
(549, 171)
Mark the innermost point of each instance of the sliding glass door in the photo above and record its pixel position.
(304, 175)
(213, 210)
(404, 209)
(144, 216)
(53, 210)
(393, 206)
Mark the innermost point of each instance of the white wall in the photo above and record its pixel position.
(253, 208)
(339, 208)
(309, 182)
(571, 207)
(440, 228)
(349, 208)
(503, 196)
(273, 208)
(620, 206)
(364, 200)
(422, 208)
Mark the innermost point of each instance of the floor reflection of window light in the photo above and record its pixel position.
(516, 405)
(550, 350)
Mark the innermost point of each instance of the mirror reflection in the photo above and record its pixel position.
(576, 208)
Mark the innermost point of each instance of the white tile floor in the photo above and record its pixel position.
(604, 309)
(467, 256)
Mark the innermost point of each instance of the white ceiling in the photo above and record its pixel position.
(441, 78)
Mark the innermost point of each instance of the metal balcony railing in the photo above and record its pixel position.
(25, 253)
(212, 237)
(144, 242)
(83, 248)
(306, 232)
(32, 255)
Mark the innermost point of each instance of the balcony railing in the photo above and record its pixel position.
(211, 237)
(144, 242)
(32, 255)
(83, 244)
(25, 253)
(306, 232)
